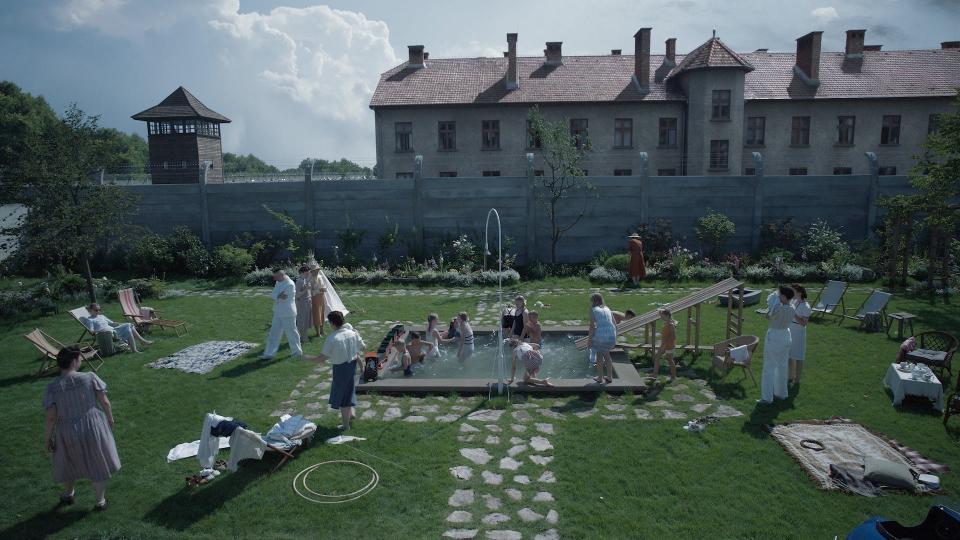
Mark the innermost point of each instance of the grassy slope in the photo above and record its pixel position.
(657, 480)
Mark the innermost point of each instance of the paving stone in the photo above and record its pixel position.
(504, 535)
(521, 416)
(495, 518)
(549, 534)
(461, 472)
(525, 405)
(519, 428)
(465, 438)
(459, 516)
(493, 428)
(493, 503)
(671, 414)
(543, 496)
(700, 407)
(518, 449)
(516, 440)
(509, 464)
(540, 444)
(521, 479)
(726, 411)
(642, 414)
(425, 409)
(391, 413)
(491, 478)
(584, 413)
(459, 408)
(707, 393)
(364, 404)
(616, 407)
(549, 413)
(294, 393)
(447, 418)
(528, 515)
(553, 517)
(547, 478)
(369, 413)
(541, 460)
(461, 497)
(486, 415)
(613, 416)
(315, 406)
(480, 456)
(545, 428)
(326, 384)
(659, 403)
(514, 494)
(461, 534)
(699, 382)
(492, 440)
(467, 428)
(415, 419)
(682, 397)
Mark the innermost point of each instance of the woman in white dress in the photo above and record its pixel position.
(798, 332)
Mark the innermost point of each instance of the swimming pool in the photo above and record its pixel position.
(561, 360)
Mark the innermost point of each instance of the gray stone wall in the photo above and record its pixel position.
(428, 210)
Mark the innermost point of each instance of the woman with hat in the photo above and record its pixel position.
(318, 288)
(638, 270)
(304, 298)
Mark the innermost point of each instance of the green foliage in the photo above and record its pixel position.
(657, 237)
(264, 248)
(714, 229)
(783, 235)
(822, 242)
(463, 253)
(23, 118)
(620, 261)
(230, 261)
(190, 256)
(239, 164)
(602, 274)
(349, 241)
(342, 166)
(387, 240)
(147, 287)
(149, 255)
(301, 241)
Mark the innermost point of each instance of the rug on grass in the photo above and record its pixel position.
(843, 443)
(203, 357)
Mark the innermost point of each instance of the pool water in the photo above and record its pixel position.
(561, 360)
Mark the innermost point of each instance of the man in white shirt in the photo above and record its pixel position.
(776, 347)
(284, 316)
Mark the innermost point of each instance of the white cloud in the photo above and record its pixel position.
(78, 13)
(825, 15)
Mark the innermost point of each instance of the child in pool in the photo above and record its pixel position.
(415, 348)
(463, 337)
(532, 359)
(533, 332)
(668, 341)
(397, 352)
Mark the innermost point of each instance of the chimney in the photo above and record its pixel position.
(855, 43)
(950, 44)
(553, 53)
(512, 80)
(426, 56)
(808, 58)
(641, 60)
(671, 55)
(616, 52)
(416, 56)
(872, 47)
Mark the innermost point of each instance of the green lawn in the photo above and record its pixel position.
(615, 478)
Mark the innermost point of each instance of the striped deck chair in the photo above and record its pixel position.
(875, 303)
(145, 317)
(50, 347)
(77, 314)
(829, 298)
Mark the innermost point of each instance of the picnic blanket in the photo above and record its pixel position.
(841, 444)
(203, 357)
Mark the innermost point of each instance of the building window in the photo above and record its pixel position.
(623, 133)
(404, 131)
(756, 130)
(668, 133)
(538, 172)
(721, 105)
(578, 132)
(666, 172)
(448, 174)
(800, 131)
(447, 132)
(933, 124)
(845, 130)
(623, 172)
(887, 171)
(533, 138)
(750, 171)
(719, 155)
(491, 135)
(404, 175)
(842, 170)
(798, 171)
(890, 132)
(491, 173)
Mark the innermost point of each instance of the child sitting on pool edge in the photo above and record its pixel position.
(397, 352)
(533, 332)
(530, 355)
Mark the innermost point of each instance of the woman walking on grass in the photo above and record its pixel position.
(343, 348)
(602, 337)
(77, 432)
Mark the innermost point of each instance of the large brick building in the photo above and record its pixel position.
(703, 113)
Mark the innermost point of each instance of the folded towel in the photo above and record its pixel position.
(740, 353)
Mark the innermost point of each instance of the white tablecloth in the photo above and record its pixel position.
(903, 384)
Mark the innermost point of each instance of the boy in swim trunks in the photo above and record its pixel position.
(531, 358)
(533, 332)
(416, 348)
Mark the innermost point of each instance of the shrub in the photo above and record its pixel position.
(782, 235)
(348, 248)
(537, 271)
(714, 229)
(602, 274)
(490, 277)
(620, 261)
(708, 272)
(371, 277)
(657, 237)
(150, 255)
(264, 248)
(463, 253)
(261, 277)
(802, 272)
(770, 257)
(231, 261)
(822, 242)
(68, 285)
(758, 274)
(147, 288)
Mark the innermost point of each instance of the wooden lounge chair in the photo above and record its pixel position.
(829, 299)
(50, 347)
(77, 314)
(143, 318)
(935, 349)
(875, 303)
(722, 360)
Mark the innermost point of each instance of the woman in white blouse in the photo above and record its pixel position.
(798, 332)
(343, 348)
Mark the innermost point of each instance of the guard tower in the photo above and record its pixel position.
(183, 133)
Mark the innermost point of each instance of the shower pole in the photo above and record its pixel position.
(501, 364)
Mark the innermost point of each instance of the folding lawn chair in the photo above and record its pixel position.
(722, 359)
(285, 438)
(875, 303)
(144, 317)
(50, 347)
(829, 298)
(77, 314)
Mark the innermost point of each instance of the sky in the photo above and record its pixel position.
(296, 76)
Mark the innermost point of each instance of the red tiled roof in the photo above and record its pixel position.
(713, 53)
(180, 104)
(460, 81)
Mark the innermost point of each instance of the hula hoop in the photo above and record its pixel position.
(301, 478)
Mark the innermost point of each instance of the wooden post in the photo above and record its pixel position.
(689, 323)
(204, 210)
(696, 342)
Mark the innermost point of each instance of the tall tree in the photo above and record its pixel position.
(563, 154)
(22, 117)
(68, 212)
